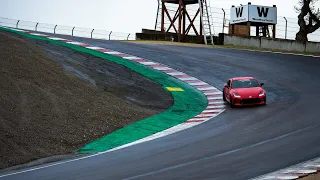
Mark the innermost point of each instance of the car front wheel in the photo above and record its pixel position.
(265, 102)
(231, 103)
(224, 96)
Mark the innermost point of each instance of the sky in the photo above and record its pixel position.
(116, 15)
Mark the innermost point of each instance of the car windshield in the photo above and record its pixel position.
(246, 83)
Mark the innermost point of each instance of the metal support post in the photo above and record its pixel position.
(54, 30)
(286, 30)
(17, 25)
(249, 29)
(224, 19)
(110, 35)
(92, 33)
(36, 27)
(72, 30)
(128, 37)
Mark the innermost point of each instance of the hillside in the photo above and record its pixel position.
(54, 100)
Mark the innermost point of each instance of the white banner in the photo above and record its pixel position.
(263, 14)
(253, 13)
(239, 14)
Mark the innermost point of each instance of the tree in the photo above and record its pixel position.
(308, 19)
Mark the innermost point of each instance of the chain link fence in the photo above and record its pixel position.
(66, 30)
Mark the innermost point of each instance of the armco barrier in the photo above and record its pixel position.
(273, 44)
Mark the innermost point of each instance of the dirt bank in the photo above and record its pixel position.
(55, 100)
(311, 177)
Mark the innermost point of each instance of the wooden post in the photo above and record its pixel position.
(274, 32)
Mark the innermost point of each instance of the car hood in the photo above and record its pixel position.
(248, 91)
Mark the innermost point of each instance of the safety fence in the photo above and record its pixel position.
(66, 30)
(286, 28)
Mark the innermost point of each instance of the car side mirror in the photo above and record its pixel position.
(261, 84)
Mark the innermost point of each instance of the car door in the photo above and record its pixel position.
(227, 90)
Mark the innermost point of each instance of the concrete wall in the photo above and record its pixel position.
(313, 47)
(274, 44)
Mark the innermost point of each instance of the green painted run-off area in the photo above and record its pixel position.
(187, 104)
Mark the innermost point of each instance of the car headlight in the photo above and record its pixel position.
(236, 95)
(262, 93)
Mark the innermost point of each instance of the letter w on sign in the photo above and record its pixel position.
(239, 11)
(262, 11)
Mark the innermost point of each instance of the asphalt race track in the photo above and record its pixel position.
(240, 143)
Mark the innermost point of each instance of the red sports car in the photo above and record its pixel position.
(242, 91)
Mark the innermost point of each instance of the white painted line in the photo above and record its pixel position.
(216, 102)
(162, 68)
(75, 43)
(292, 171)
(215, 106)
(300, 171)
(176, 73)
(215, 110)
(57, 39)
(207, 88)
(207, 115)
(188, 79)
(37, 34)
(287, 177)
(132, 58)
(94, 48)
(113, 52)
(198, 83)
(214, 98)
(279, 177)
(148, 63)
(213, 93)
(312, 165)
